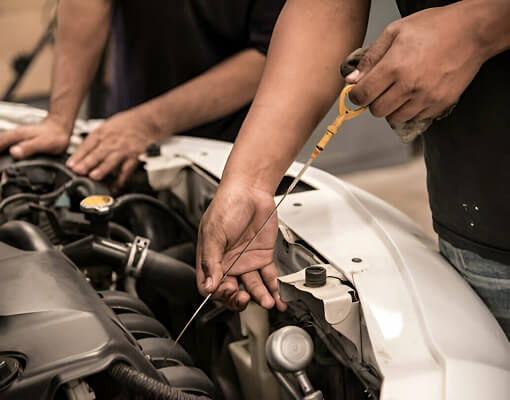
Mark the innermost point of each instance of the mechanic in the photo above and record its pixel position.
(439, 54)
(190, 67)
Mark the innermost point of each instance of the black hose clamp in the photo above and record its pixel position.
(137, 255)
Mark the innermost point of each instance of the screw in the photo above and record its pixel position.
(356, 260)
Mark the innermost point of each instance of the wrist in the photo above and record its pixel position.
(487, 24)
(155, 126)
(240, 186)
(64, 124)
(257, 175)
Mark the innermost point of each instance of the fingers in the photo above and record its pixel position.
(255, 286)
(12, 137)
(376, 82)
(238, 301)
(29, 140)
(373, 76)
(407, 112)
(95, 157)
(28, 147)
(373, 55)
(262, 285)
(126, 170)
(270, 278)
(210, 249)
(89, 144)
(106, 165)
(226, 289)
(389, 102)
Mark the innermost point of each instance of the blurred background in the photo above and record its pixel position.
(367, 153)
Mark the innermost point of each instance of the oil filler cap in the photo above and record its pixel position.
(315, 276)
(97, 204)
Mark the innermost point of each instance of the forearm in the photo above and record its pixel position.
(490, 24)
(216, 93)
(82, 31)
(300, 82)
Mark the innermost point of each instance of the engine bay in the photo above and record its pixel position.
(95, 285)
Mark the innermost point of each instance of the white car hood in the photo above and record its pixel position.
(432, 337)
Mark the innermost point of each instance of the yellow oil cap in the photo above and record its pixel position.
(97, 204)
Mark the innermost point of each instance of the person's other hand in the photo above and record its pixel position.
(419, 66)
(48, 137)
(117, 142)
(231, 220)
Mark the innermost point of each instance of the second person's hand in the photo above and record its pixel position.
(117, 142)
(421, 64)
(48, 137)
(230, 221)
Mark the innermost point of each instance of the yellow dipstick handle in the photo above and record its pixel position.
(344, 113)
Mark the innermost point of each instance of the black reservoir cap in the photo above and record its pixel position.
(315, 276)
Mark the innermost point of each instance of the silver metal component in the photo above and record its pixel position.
(304, 382)
(193, 317)
(137, 253)
(289, 349)
(317, 395)
(245, 248)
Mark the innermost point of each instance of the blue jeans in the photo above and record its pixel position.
(490, 279)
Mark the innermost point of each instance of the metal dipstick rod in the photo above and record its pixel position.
(344, 114)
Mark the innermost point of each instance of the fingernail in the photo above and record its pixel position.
(70, 163)
(17, 151)
(353, 76)
(208, 283)
(94, 175)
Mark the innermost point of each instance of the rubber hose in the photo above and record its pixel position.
(176, 277)
(25, 236)
(127, 198)
(45, 164)
(118, 232)
(47, 196)
(148, 387)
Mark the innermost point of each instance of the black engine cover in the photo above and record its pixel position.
(57, 324)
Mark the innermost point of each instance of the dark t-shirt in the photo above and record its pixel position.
(160, 44)
(468, 160)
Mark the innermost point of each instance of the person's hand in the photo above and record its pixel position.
(48, 137)
(231, 220)
(419, 66)
(117, 142)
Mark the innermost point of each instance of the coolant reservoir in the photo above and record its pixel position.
(322, 289)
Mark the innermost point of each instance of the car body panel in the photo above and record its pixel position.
(432, 336)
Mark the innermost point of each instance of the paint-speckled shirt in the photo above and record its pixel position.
(468, 159)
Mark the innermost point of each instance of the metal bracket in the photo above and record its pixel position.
(137, 254)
